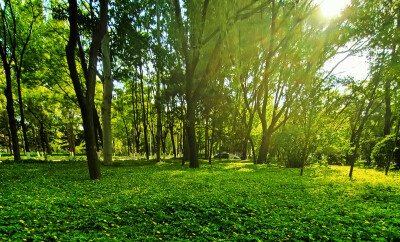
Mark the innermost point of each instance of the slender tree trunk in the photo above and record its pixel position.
(211, 143)
(253, 150)
(206, 141)
(388, 109)
(97, 129)
(136, 115)
(171, 131)
(47, 141)
(71, 135)
(10, 108)
(146, 144)
(43, 140)
(9, 140)
(353, 155)
(107, 98)
(158, 95)
(21, 112)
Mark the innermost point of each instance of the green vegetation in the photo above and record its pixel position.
(144, 200)
(162, 86)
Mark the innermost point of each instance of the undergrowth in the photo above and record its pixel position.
(142, 200)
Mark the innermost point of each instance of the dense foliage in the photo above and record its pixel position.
(194, 79)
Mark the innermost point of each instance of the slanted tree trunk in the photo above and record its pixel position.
(86, 100)
(107, 97)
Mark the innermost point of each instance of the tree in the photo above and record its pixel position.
(290, 59)
(379, 21)
(107, 97)
(12, 50)
(199, 39)
(86, 100)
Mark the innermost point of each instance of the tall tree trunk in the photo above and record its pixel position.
(127, 135)
(186, 150)
(158, 96)
(206, 141)
(211, 143)
(86, 101)
(388, 109)
(21, 112)
(43, 140)
(97, 129)
(171, 131)
(10, 106)
(71, 135)
(146, 144)
(107, 98)
(47, 141)
(135, 116)
(253, 151)
(191, 133)
(10, 147)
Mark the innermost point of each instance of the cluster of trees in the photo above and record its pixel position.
(194, 78)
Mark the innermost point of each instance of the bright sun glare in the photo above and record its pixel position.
(332, 8)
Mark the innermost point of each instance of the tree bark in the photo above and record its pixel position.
(171, 131)
(191, 134)
(21, 112)
(71, 135)
(136, 119)
(388, 109)
(206, 141)
(210, 149)
(158, 95)
(107, 98)
(97, 129)
(43, 140)
(10, 104)
(144, 121)
(86, 101)
(264, 148)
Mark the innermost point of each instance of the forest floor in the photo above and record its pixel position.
(229, 200)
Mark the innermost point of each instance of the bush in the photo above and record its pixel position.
(382, 154)
(367, 147)
(290, 143)
(333, 155)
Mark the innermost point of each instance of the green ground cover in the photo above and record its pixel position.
(141, 200)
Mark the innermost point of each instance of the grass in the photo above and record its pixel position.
(141, 200)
